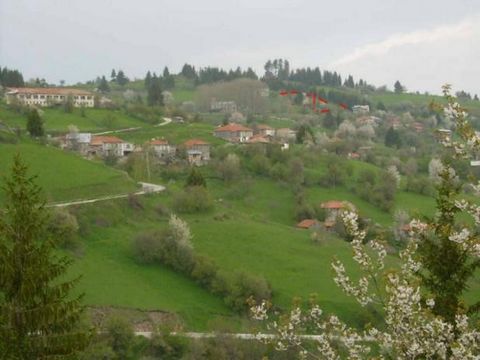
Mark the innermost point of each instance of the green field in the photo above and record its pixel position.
(66, 176)
(56, 120)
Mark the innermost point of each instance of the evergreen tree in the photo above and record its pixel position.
(103, 85)
(121, 78)
(392, 138)
(113, 75)
(35, 124)
(398, 88)
(154, 95)
(195, 178)
(39, 318)
(148, 79)
(166, 72)
(475, 97)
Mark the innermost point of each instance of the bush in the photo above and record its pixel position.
(304, 211)
(165, 346)
(204, 271)
(120, 336)
(245, 286)
(145, 247)
(134, 202)
(171, 247)
(193, 199)
(63, 227)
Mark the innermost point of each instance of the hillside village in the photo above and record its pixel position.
(260, 167)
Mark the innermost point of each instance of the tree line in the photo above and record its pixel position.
(9, 77)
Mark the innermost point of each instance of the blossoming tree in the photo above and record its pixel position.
(421, 301)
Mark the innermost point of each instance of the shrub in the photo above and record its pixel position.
(204, 271)
(134, 202)
(63, 227)
(193, 199)
(120, 336)
(171, 247)
(145, 247)
(304, 211)
(161, 209)
(245, 286)
(165, 346)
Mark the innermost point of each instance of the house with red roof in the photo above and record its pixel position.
(334, 208)
(198, 151)
(265, 130)
(162, 148)
(109, 145)
(307, 224)
(234, 132)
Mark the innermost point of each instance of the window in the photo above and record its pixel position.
(35, 96)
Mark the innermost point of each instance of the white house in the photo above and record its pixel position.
(50, 96)
(110, 145)
(162, 148)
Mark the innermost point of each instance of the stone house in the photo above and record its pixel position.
(234, 132)
(197, 151)
(110, 145)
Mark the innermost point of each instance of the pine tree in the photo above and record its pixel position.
(154, 95)
(166, 72)
(121, 78)
(35, 124)
(113, 75)
(39, 318)
(148, 79)
(392, 138)
(103, 85)
(398, 88)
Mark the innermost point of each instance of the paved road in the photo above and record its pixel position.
(147, 188)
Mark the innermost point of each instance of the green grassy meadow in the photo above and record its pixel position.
(56, 120)
(66, 176)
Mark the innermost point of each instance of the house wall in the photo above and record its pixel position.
(50, 99)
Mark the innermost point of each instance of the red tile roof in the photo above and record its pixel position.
(193, 142)
(99, 140)
(50, 91)
(258, 139)
(158, 142)
(333, 204)
(307, 223)
(232, 128)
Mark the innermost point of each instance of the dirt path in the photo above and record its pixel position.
(165, 122)
(147, 188)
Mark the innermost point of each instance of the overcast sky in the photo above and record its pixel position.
(423, 43)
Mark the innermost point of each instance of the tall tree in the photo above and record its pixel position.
(39, 317)
(398, 88)
(121, 78)
(113, 75)
(148, 79)
(35, 124)
(103, 85)
(154, 95)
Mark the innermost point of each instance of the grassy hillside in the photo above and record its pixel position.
(55, 119)
(66, 176)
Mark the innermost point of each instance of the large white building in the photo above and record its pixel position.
(50, 96)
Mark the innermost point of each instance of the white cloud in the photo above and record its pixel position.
(422, 59)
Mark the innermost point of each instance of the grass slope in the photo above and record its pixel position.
(65, 176)
(56, 120)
